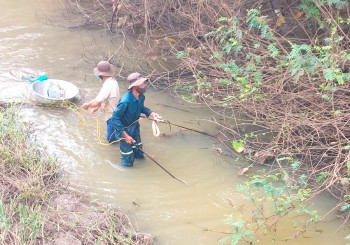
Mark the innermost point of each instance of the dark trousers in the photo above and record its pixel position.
(111, 131)
(130, 152)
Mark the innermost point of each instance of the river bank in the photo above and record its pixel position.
(282, 64)
(38, 205)
(34, 39)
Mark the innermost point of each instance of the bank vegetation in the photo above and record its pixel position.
(37, 203)
(274, 72)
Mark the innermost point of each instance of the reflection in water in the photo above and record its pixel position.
(174, 212)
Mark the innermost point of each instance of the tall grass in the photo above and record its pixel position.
(28, 179)
(36, 207)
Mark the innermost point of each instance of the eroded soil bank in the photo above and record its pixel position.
(39, 206)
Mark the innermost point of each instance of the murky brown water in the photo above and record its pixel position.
(175, 213)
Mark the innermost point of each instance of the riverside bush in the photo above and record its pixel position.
(288, 74)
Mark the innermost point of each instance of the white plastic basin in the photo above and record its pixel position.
(40, 91)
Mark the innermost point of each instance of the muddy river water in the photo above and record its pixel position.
(175, 213)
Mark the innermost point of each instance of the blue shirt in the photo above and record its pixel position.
(128, 111)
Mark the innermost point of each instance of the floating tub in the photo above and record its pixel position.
(41, 91)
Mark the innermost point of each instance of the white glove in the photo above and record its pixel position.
(156, 116)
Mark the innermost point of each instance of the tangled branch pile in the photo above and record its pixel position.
(282, 64)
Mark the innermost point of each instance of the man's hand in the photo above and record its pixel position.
(94, 104)
(128, 139)
(85, 106)
(155, 116)
(94, 110)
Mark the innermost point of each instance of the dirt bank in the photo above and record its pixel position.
(39, 206)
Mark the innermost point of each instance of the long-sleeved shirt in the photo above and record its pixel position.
(128, 112)
(109, 95)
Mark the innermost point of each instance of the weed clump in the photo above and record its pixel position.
(37, 205)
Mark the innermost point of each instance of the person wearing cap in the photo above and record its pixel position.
(108, 96)
(126, 116)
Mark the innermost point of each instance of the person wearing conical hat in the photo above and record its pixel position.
(108, 96)
(125, 118)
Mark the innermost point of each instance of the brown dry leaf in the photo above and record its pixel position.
(122, 21)
(153, 57)
(261, 19)
(190, 50)
(170, 39)
(244, 170)
(269, 20)
(299, 14)
(280, 20)
(344, 181)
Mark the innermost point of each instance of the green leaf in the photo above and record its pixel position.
(295, 165)
(256, 45)
(326, 97)
(345, 207)
(321, 177)
(181, 54)
(238, 145)
(223, 19)
(273, 50)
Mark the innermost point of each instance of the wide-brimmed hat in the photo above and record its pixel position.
(135, 79)
(137, 82)
(104, 68)
(133, 76)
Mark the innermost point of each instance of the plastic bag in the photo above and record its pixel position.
(54, 91)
